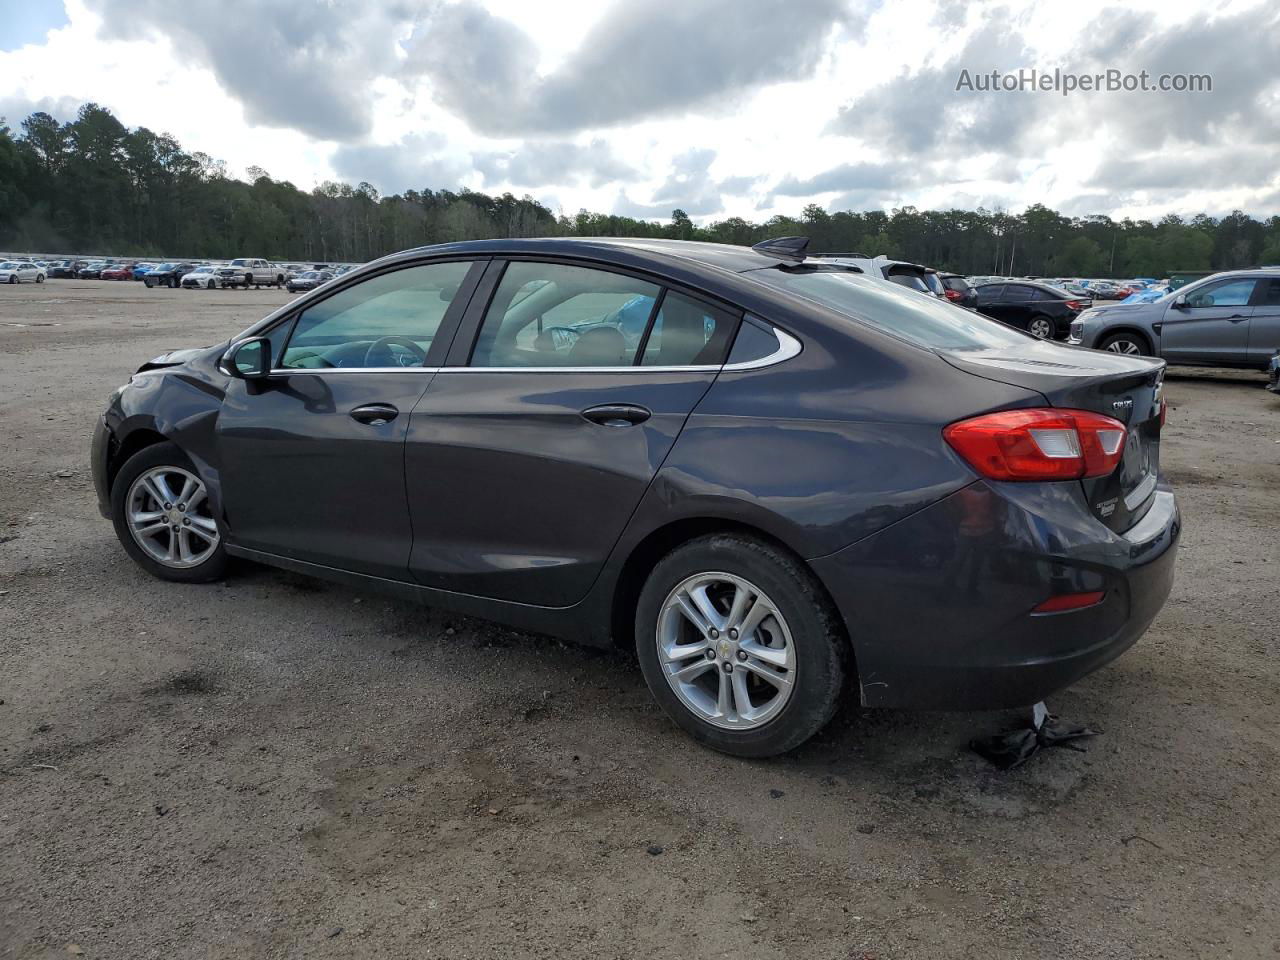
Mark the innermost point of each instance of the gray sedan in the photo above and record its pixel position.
(1229, 319)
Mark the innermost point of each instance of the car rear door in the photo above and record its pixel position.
(1264, 325)
(1212, 326)
(311, 459)
(565, 389)
(991, 300)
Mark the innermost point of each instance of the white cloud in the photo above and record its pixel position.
(701, 104)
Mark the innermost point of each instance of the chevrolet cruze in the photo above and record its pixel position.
(774, 477)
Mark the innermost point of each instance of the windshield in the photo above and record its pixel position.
(927, 321)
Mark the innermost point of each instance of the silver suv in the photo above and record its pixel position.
(1228, 319)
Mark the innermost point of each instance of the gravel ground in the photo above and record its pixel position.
(280, 767)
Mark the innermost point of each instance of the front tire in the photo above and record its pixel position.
(740, 645)
(209, 285)
(161, 512)
(39, 278)
(1127, 344)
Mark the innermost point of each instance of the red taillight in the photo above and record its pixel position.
(1164, 410)
(952, 294)
(1069, 601)
(1039, 444)
(1076, 305)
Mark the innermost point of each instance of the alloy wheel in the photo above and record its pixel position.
(168, 514)
(1040, 327)
(1127, 347)
(726, 651)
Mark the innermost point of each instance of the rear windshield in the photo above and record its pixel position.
(925, 320)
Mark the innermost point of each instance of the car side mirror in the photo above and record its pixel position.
(1180, 302)
(249, 359)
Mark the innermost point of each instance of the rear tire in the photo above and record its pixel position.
(152, 477)
(1127, 344)
(1040, 326)
(209, 285)
(791, 645)
(39, 278)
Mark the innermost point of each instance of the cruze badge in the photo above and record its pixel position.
(1124, 406)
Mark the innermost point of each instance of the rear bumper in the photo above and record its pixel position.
(938, 606)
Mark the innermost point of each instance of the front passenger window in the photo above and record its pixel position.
(386, 321)
(1230, 293)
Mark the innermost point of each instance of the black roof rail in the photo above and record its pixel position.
(784, 248)
(854, 254)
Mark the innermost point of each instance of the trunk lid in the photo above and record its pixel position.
(1126, 388)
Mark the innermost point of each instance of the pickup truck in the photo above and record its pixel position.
(247, 272)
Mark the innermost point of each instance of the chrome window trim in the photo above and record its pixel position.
(788, 347)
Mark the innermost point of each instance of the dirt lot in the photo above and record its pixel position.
(280, 767)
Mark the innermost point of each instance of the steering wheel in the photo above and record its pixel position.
(556, 339)
(383, 342)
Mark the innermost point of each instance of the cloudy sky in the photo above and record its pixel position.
(720, 107)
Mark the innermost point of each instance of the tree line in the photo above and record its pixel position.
(93, 185)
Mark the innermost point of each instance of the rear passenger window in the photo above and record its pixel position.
(687, 333)
(557, 315)
(1270, 296)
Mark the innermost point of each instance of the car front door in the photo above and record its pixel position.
(1211, 325)
(312, 457)
(1264, 325)
(532, 447)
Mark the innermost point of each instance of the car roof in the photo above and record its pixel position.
(723, 256)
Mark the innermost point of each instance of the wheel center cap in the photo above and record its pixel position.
(725, 649)
(175, 517)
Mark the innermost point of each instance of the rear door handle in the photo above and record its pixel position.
(375, 414)
(617, 414)
(1237, 316)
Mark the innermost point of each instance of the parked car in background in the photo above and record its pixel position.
(140, 270)
(1229, 319)
(204, 276)
(167, 274)
(1041, 310)
(308, 280)
(958, 290)
(117, 271)
(1273, 373)
(21, 271)
(247, 272)
(65, 269)
(901, 272)
(934, 283)
(92, 270)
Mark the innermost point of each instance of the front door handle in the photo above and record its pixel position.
(1237, 316)
(375, 414)
(617, 414)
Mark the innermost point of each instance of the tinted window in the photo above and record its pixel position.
(553, 315)
(1019, 291)
(924, 320)
(910, 281)
(1039, 294)
(753, 342)
(1229, 293)
(687, 332)
(386, 321)
(955, 283)
(991, 292)
(1270, 295)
